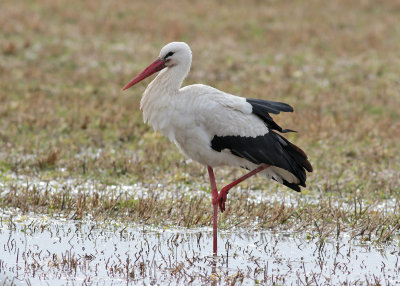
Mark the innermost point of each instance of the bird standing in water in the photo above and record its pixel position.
(216, 128)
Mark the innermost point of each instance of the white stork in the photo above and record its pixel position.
(216, 128)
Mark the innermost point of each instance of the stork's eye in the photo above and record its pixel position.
(168, 55)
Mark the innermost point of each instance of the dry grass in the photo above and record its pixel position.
(320, 220)
(62, 114)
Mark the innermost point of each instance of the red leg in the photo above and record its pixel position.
(224, 191)
(214, 193)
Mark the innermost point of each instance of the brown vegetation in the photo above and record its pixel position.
(62, 114)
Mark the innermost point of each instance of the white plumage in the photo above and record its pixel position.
(194, 115)
(216, 128)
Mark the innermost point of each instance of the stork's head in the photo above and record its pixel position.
(175, 54)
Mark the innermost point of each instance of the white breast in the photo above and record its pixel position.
(192, 116)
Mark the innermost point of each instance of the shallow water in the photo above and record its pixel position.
(43, 251)
(75, 187)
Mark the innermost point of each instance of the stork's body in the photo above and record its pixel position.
(215, 128)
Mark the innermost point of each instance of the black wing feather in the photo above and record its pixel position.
(271, 149)
(274, 107)
(261, 108)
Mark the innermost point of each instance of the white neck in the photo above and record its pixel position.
(156, 98)
(169, 79)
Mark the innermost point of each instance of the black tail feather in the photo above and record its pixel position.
(292, 186)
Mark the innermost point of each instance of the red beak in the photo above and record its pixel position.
(155, 66)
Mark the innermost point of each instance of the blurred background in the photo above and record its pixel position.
(63, 63)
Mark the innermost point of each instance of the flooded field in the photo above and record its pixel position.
(89, 195)
(95, 234)
(38, 250)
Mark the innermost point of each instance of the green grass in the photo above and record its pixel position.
(62, 114)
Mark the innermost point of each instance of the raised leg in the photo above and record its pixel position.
(220, 198)
(214, 193)
(224, 191)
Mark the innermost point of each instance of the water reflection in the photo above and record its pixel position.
(40, 250)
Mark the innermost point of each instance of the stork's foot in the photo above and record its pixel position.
(222, 198)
